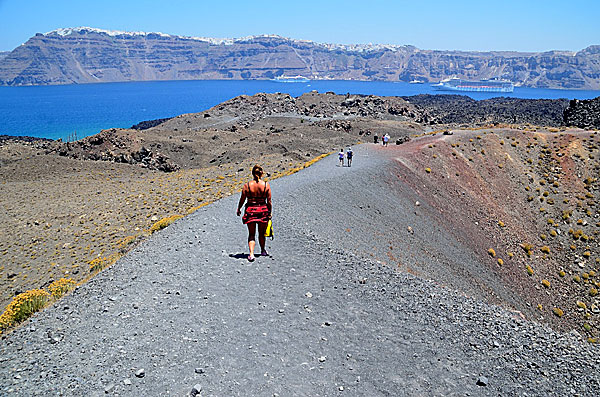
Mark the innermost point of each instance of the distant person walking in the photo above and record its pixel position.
(375, 139)
(349, 155)
(257, 195)
(386, 139)
(341, 157)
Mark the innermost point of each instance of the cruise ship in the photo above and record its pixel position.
(492, 85)
(291, 79)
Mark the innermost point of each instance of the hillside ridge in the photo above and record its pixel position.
(88, 55)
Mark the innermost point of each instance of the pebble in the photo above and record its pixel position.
(482, 381)
(196, 390)
(308, 295)
(322, 359)
(109, 388)
(140, 373)
(199, 370)
(127, 381)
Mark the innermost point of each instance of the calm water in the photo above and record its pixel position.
(58, 111)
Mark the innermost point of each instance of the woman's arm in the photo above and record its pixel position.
(242, 200)
(269, 198)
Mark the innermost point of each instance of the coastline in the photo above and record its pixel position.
(89, 108)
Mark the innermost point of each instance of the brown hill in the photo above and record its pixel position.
(527, 202)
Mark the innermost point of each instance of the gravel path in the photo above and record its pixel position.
(320, 317)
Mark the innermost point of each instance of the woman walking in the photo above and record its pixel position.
(257, 195)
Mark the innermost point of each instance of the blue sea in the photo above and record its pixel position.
(60, 111)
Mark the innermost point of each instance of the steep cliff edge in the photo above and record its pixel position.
(87, 55)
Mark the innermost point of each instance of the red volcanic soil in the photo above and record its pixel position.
(525, 202)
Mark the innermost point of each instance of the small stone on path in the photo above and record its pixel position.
(127, 381)
(482, 381)
(196, 390)
(140, 373)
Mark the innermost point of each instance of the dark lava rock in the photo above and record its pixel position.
(460, 109)
(583, 113)
(144, 125)
(29, 139)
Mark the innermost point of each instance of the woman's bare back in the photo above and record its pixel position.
(257, 189)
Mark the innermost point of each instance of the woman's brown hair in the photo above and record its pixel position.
(257, 171)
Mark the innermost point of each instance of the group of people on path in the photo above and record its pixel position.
(256, 196)
(349, 154)
(385, 139)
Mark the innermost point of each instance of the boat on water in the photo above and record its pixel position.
(291, 79)
(492, 85)
(415, 81)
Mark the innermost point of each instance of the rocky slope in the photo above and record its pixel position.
(86, 55)
(277, 122)
(186, 313)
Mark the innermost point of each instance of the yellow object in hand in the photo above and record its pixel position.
(269, 231)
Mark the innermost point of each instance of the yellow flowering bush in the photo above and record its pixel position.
(164, 222)
(61, 287)
(102, 262)
(23, 306)
(123, 243)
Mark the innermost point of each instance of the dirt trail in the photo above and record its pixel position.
(320, 317)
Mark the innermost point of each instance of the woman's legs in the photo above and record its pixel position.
(262, 228)
(251, 237)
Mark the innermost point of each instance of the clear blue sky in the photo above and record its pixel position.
(521, 25)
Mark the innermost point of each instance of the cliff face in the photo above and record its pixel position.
(85, 55)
